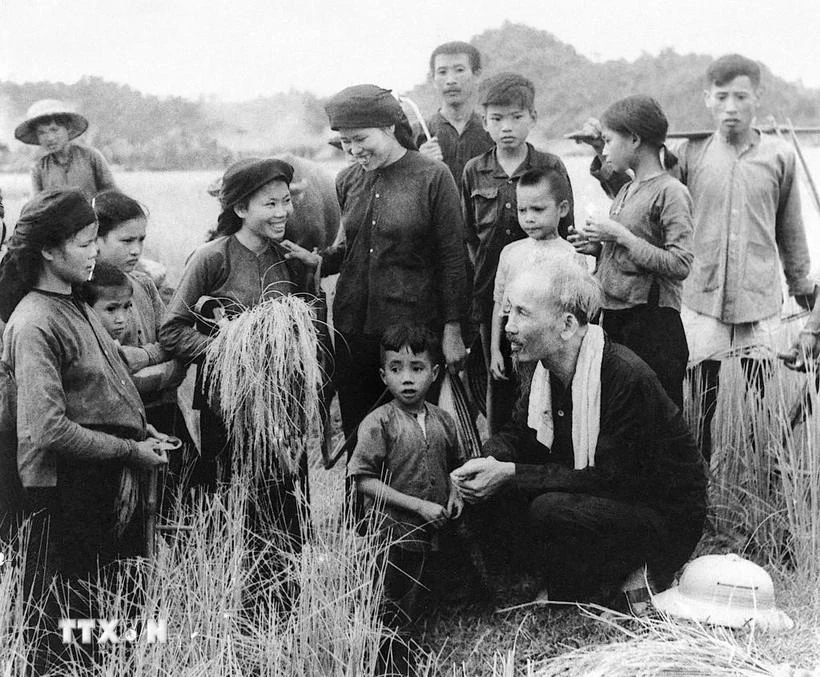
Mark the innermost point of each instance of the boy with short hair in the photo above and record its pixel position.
(543, 200)
(489, 199)
(458, 132)
(405, 452)
(109, 292)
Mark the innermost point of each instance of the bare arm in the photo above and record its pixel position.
(430, 512)
(496, 358)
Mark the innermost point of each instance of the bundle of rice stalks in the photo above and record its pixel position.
(264, 379)
(658, 646)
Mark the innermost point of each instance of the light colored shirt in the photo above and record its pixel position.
(85, 170)
(658, 210)
(747, 224)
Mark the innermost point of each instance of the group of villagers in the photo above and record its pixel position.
(590, 483)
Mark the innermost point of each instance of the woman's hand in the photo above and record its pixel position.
(604, 229)
(148, 455)
(582, 245)
(452, 345)
(156, 434)
(295, 251)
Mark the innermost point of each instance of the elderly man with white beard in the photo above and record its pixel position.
(597, 474)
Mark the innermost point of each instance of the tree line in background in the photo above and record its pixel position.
(141, 131)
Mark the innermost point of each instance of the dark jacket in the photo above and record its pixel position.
(645, 453)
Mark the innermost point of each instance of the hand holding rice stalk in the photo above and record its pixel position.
(264, 379)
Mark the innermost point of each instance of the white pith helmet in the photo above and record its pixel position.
(724, 590)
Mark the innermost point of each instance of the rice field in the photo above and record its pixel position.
(765, 505)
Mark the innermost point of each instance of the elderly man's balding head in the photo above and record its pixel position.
(564, 284)
(551, 304)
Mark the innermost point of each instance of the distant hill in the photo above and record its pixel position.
(140, 131)
(570, 87)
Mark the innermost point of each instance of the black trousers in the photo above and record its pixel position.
(72, 539)
(356, 377)
(582, 547)
(655, 335)
(705, 378)
(278, 504)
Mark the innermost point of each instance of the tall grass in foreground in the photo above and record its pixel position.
(14, 649)
(765, 489)
(264, 379)
(226, 613)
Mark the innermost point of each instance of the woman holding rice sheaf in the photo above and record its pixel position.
(241, 266)
(403, 258)
(81, 427)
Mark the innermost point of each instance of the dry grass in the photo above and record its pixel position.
(264, 377)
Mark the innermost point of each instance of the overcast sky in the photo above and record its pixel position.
(240, 49)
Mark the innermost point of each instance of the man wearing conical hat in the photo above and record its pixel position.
(53, 125)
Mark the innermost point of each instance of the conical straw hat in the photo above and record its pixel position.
(45, 108)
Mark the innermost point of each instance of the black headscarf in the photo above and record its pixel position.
(46, 221)
(241, 180)
(362, 106)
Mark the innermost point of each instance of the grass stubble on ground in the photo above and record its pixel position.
(202, 578)
(225, 617)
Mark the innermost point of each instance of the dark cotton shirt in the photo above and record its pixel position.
(228, 270)
(392, 447)
(645, 453)
(458, 149)
(70, 380)
(491, 216)
(403, 258)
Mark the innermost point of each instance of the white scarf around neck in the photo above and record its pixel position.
(586, 400)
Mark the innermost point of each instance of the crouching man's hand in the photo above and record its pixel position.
(480, 478)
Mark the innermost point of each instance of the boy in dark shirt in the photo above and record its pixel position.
(458, 131)
(401, 464)
(489, 201)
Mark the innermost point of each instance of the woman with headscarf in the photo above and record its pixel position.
(81, 429)
(403, 256)
(242, 265)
